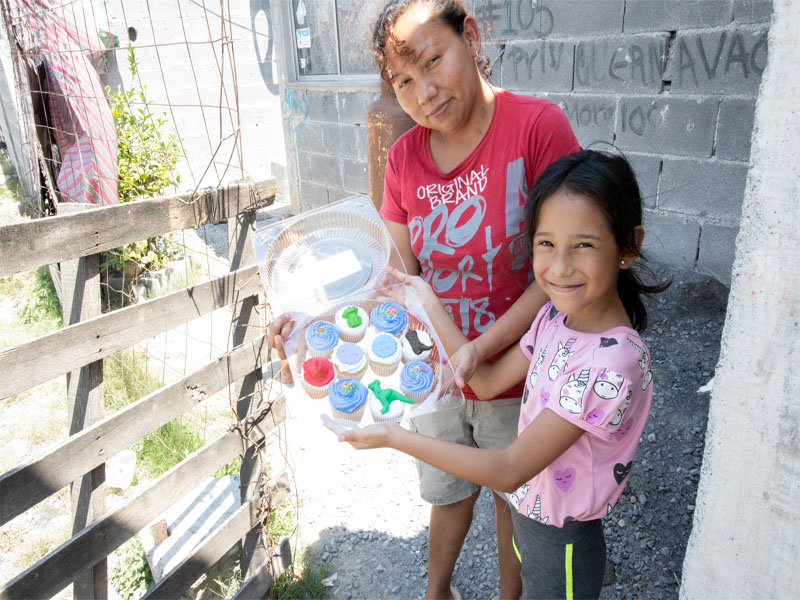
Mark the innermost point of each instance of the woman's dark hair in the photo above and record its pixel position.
(450, 12)
(609, 180)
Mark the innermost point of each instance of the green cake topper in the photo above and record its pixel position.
(350, 315)
(387, 396)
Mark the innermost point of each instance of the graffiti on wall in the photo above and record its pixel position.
(701, 58)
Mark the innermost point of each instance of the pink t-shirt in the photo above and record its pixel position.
(600, 382)
(467, 226)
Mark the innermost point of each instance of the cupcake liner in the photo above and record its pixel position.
(353, 416)
(357, 375)
(382, 369)
(317, 392)
(313, 353)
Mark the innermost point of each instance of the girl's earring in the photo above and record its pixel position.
(622, 262)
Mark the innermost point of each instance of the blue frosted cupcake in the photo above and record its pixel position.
(348, 399)
(321, 339)
(389, 317)
(385, 353)
(416, 380)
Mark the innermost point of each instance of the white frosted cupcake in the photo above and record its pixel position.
(417, 345)
(384, 354)
(349, 360)
(352, 322)
(386, 403)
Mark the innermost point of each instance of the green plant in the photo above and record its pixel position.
(228, 586)
(39, 302)
(131, 576)
(146, 161)
(126, 379)
(166, 447)
(281, 522)
(232, 468)
(303, 582)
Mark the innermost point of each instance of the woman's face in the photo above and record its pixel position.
(439, 88)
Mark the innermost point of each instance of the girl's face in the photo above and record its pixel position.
(576, 261)
(439, 88)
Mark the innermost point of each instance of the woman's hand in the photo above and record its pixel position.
(465, 360)
(277, 331)
(420, 286)
(372, 436)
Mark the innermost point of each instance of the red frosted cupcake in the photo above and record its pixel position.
(317, 377)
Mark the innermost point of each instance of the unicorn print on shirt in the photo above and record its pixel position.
(608, 384)
(644, 364)
(536, 512)
(517, 497)
(572, 392)
(536, 367)
(623, 408)
(559, 361)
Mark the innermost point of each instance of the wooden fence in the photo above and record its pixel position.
(75, 241)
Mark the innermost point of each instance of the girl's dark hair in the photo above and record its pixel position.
(450, 12)
(610, 181)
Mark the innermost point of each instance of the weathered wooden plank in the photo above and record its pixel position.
(32, 482)
(25, 246)
(39, 360)
(80, 300)
(60, 567)
(207, 554)
(257, 586)
(245, 325)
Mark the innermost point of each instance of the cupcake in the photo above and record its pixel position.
(349, 360)
(416, 380)
(384, 354)
(417, 345)
(317, 376)
(386, 403)
(348, 399)
(389, 317)
(321, 337)
(352, 322)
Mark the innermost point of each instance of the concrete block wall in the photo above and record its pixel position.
(329, 132)
(671, 83)
(189, 77)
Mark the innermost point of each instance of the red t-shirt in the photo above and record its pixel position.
(467, 226)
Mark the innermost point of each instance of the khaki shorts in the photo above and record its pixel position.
(481, 424)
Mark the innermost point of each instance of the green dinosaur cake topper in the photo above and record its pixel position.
(386, 397)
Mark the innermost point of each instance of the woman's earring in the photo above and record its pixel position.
(622, 262)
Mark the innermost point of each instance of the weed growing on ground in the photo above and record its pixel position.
(302, 582)
(131, 576)
(36, 301)
(228, 586)
(126, 379)
(281, 522)
(158, 452)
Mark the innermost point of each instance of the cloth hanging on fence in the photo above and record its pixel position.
(80, 116)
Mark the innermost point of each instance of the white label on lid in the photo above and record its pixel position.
(319, 273)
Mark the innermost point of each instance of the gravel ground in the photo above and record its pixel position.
(360, 511)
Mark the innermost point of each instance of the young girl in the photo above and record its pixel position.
(588, 384)
(455, 189)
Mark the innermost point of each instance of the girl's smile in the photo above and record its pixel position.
(576, 262)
